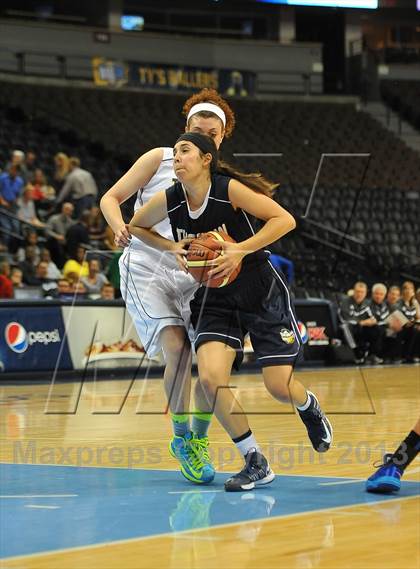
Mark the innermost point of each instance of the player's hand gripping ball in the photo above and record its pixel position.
(202, 255)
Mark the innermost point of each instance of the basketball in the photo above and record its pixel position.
(202, 253)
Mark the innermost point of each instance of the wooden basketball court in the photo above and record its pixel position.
(87, 480)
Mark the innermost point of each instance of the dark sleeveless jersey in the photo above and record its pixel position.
(217, 213)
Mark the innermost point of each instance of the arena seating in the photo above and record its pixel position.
(128, 123)
(364, 208)
(404, 98)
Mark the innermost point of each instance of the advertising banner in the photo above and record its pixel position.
(103, 337)
(317, 321)
(231, 82)
(41, 338)
(32, 338)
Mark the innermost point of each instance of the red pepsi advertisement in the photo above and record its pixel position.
(33, 339)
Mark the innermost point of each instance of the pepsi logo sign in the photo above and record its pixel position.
(16, 337)
(303, 332)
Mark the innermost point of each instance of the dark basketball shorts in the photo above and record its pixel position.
(257, 303)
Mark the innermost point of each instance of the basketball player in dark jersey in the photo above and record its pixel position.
(257, 302)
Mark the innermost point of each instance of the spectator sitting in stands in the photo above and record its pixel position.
(41, 274)
(31, 238)
(81, 185)
(392, 346)
(26, 208)
(356, 311)
(381, 313)
(95, 279)
(64, 290)
(61, 162)
(409, 337)
(97, 227)
(6, 285)
(16, 276)
(392, 298)
(30, 163)
(56, 230)
(43, 194)
(79, 289)
(28, 265)
(48, 286)
(78, 233)
(107, 292)
(11, 186)
(76, 268)
(418, 295)
(17, 159)
(53, 272)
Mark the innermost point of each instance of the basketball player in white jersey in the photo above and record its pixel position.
(157, 293)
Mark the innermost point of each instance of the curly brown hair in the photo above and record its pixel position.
(211, 96)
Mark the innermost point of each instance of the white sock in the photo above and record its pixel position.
(306, 405)
(245, 445)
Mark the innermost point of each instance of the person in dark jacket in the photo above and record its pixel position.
(380, 311)
(356, 311)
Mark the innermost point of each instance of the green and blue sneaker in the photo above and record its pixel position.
(200, 445)
(192, 466)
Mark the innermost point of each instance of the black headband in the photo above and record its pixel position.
(204, 143)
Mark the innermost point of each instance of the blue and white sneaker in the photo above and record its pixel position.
(256, 472)
(317, 424)
(386, 479)
(192, 465)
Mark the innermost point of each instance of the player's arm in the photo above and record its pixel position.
(135, 178)
(278, 222)
(149, 215)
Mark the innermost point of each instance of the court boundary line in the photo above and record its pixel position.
(178, 470)
(217, 526)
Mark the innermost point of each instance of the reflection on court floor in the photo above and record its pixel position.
(47, 508)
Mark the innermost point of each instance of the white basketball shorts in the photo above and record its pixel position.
(156, 293)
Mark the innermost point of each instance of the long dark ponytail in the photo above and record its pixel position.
(254, 180)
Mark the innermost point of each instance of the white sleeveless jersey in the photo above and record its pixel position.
(156, 292)
(162, 180)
